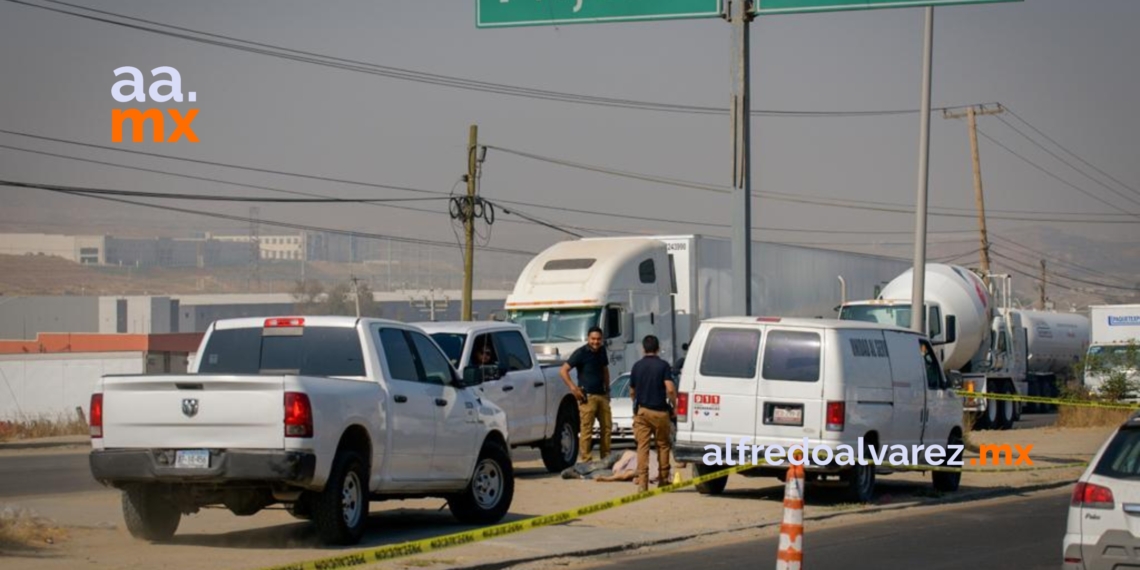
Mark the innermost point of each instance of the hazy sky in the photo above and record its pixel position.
(1068, 67)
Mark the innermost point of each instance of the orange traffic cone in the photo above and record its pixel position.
(790, 555)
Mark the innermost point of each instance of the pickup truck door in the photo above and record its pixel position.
(412, 408)
(523, 385)
(455, 414)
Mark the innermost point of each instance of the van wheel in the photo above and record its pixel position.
(860, 481)
(341, 509)
(561, 450)
(948, 481)
(713, 487)
(149, 513)
(489, 493)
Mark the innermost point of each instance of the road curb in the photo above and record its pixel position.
(980, 495)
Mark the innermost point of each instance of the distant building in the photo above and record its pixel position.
(133, 252)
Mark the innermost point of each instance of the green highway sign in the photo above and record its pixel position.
(505, 13)
(804, 6)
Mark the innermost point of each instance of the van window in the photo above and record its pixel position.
(933, 369)
(792, 355)
(935, 322)
(730, 353)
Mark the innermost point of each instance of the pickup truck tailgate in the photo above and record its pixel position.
(198, 411)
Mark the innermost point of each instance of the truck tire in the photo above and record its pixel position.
(860, 481)
(149, 513)
(302, 509)
(1004, 409)
(713, 487)
(561, 450)
(948, 481)
(489, 494)
(340, 510)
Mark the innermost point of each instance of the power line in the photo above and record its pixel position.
(347, 64)
(783, 196)
(1067, 163)
(1071, 278)
(79, 191)
(1071, 153)
(1054, 259)
(1056, 177)
(212, 197)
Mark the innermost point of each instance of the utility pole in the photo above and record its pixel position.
(1041, 288)
(740, 18)
(971, 115)
(468, 212)
(356, 293)
(918, 281)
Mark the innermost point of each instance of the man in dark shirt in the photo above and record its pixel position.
(592, 392)
(654, 395)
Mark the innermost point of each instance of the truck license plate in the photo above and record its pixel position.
(788, 415)
(192, 459)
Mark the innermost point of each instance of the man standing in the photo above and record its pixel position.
(654, 395)
(592, 392)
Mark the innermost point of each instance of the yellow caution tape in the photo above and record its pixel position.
(410, 548)
(1043, 400)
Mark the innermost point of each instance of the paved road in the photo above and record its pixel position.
(1019, 533)
(41, 474)
(1031, 421)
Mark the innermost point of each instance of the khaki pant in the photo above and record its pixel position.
(595, 407)
(651, 423)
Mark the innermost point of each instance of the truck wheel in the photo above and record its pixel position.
(1004, 418)
(713, 487)
(149, 514)
(561, 450)
(303, 508)
(948, 481)
(489, 493)
(341, 509)
(860, 481)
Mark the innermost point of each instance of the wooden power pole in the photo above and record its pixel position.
(1041, 288)
(468, 212)
(971, 115)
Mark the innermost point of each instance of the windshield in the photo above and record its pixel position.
(556, 325)
(896, 315)
(620, 387)
(452, 345)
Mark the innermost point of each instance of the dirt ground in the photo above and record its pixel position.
(217, 539)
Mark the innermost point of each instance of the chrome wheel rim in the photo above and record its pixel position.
(567, 442)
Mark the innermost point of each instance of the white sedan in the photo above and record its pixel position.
(1104, 514)
(621, 411)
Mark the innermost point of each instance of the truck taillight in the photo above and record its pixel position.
(96, 416)
(1092, 496)
(682, 406)
(282, 323)
(836, 416)
(298, 415)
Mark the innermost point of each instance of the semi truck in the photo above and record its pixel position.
(666, 285)
(982, 340)
(1115, 340)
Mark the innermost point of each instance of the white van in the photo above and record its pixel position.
(779, 381)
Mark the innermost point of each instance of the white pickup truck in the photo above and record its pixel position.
(322, 414)
(541, 411)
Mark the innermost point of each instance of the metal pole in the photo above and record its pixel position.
(741, 15)
(469, 222)
(918, 305)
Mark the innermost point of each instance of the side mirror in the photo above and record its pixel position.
(472, 376)
(955, 379)
(685, 347)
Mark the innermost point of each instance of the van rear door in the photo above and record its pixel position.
(722, 385)
(790, 405)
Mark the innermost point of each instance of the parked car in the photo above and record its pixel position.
(1102, 528)
(541, 412)
(321, 414)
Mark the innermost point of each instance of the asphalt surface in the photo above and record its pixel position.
(1020, 533)
(45, 474)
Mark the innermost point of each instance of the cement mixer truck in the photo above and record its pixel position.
(991, 347)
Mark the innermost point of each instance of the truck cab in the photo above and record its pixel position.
(624, 286)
